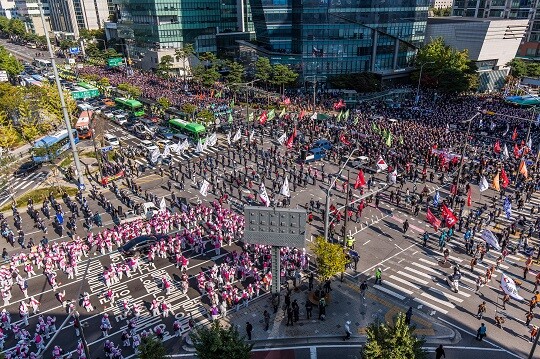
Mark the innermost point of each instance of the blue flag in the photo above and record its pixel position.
(507, 206)
(436, 199)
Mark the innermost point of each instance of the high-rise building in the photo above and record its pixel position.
(155, 28)
(326, 37)
(7, 8)
(69, 16)
(28, 12)
(515, 9)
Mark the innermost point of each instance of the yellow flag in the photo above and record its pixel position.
(523, 169)
(496, 182)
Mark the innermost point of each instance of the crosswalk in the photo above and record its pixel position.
(185, 156)
(10, 184)
(424, 278)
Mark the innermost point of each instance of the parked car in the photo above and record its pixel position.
(26, 168)
(141, 244)
(149, 146)
(111, 140)
(165, 132)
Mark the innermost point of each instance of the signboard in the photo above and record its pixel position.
(3, 76)
(115, 61)
(82, 94)
(282, 227)
(74, 50)
(106, 149)
(71, 61)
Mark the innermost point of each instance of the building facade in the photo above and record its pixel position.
(491, 43)
(320, 38)
(69, 16)
(28, 12)
(506, 9)
(7, 8)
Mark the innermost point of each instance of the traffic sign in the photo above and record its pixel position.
(3, 76)
(106, 149)
(115, 61)
(74, 50)
(82, 187)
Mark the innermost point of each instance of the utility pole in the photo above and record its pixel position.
(67, 120)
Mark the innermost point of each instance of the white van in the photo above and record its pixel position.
(111, 140)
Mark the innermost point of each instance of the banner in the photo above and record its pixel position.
(509, 287)
(505, 152)
(166, 151)
(155, 155)
(360, 180)
(483, 185)
(290, 141)
(434, 221)
(200, 147)
(204, 188)
(490, 238)
(106, 180)
(285, 188)
(381, 164)
(263, 195)
(281, 140)
(251, 136)
(393, 177)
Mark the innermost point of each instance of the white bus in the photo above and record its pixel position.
(42, 64)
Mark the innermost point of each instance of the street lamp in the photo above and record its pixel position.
(327, 206)
(420, 78)
(470, 120)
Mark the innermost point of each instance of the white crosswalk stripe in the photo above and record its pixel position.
(14, 184)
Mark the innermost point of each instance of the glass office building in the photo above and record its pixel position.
(326, 37)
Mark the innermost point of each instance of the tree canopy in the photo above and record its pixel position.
(393, 341)
(206, 73)
(151, 348)
(521, 68)
(217, 342)
(9, 63)
(361, 82)
(445, 68)
(330, 258)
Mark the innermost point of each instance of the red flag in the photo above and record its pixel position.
(505, 180)
(514, 135)
(447, 214)
(453, 189)
(302, 114)
(344, 140)
(516, 151)
(263, 118)
(497, 147)
(290, 141)
(360, 180)
(434, 221)
(287, 101)
(469, 197)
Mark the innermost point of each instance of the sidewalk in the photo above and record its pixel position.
(345, 304)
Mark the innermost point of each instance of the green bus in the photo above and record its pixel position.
(134, 106)
(195, 131)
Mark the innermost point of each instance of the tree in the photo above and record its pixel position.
(439, 60)
(393, 341)
(165, 65)
(16, 27)
(164, 102)
(518, 67)
(330, 258)
(236, 72)
(283, 75)
(9, 63)
(189, 108)
(206, 116)
(444, 11)
(131, 90)
(183, 54)
(8, 134)
(217, 342)
(359, 81)
(263, 69)
(152, 348)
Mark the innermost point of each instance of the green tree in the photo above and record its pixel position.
(393, 341)
(66, 44)
(217, 342)
(263, 69)
(189, 108)
(444, 11)
(16, 27)
(330, 258)
(152, 348)
(359, 81)
(4, 24)
(183, 54)
(164, 102)
(518, 67)
(9, 63)
(282, 75)
(165, 65)
(439, 60)
(206, 116)
(8, 134)
(131, 90)
(236, 72)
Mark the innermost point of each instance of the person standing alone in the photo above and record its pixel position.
(249, 329)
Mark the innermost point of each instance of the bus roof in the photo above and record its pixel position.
(49, 140)
(192, 126)
(86, 86)
(129, 102)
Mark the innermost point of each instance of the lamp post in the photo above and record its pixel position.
(470, 120)
(104, 43)
(67, 120)
(327, 205)
(419, 79)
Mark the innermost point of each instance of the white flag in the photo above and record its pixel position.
(212, 140)
(393, 177)
(200, 147)
(162, 205)
(263, 195)
(204, 188)
(166, 151)
(314, 116)
(285, 188)
(505, 152)
(174, 147)
(282, 138)
(237, 136)
(251, 136)
(489, 237)
(509, 287)
(483, 185)
(229, 138)
(155, 155)
(529, 143)
(185, 145)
